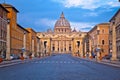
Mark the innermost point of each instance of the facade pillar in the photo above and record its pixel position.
(85, 51)
(114, 54)
(38, 47)
(8, 43)
(59, 47)
(33, 53)
(63, 47)
(51, 46)
(90, 48)
(81, 52)
(24, 44)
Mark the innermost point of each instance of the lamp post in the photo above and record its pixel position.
(98, 49)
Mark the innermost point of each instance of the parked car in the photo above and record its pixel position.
(107, 56)
(14, 56)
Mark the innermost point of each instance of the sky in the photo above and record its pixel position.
(83, 15)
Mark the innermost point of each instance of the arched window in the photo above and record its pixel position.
(53, 48)
(78, 43)
(70, 48)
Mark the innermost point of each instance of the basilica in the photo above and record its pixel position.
(62, 39)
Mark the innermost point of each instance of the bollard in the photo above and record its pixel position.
(22, 58)
(100, 58)
(91, 57)
(30, 57)
(84, 56)
(1, 60)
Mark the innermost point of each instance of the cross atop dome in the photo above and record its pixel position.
(62, 15)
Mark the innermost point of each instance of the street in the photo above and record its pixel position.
(60, 67)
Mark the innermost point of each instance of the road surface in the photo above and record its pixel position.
(60, 67)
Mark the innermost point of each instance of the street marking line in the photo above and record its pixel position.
(68, 62)
(64, 61)
(36, 62)
(48, 62)
(76, 62)
(61, 62)
(53, 62)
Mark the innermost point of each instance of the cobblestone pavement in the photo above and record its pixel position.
(60, 67)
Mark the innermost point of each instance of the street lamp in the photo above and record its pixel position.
(98, 49)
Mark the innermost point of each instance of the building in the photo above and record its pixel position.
(22, 43)
(33, 42)
(115, 36)
(17, 36)
(99, 40)
(3, 31)
(62, 39)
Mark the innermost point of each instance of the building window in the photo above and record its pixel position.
(98, 32)
(45, 44)
(103, 31)
(70, 48)
(103, 42)
(78, 43)
(65, 49)
(53, 49)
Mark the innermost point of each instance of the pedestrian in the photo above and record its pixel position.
(22, 58)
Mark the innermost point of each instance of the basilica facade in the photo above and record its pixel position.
(62, 39)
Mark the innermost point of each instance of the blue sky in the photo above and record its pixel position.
(82, 14)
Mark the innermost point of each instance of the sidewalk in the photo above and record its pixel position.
(13, 62)
(105, 61)
(111, 63)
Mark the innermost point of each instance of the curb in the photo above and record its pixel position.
(10, 63)
(104, 62)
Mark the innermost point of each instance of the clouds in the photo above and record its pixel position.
(88, 4)
(45, 22)
(82, 26)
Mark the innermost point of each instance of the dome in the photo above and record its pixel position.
(62, 22)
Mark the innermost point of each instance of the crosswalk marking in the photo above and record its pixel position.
(59, 62)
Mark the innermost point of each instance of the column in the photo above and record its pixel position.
(33, 48)
(114, 54)
(52, 46)
(8, 43)
(24, 44)
(38, 47)
(81, 46)
(63, 47)
(85, 51)
(59, 46)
